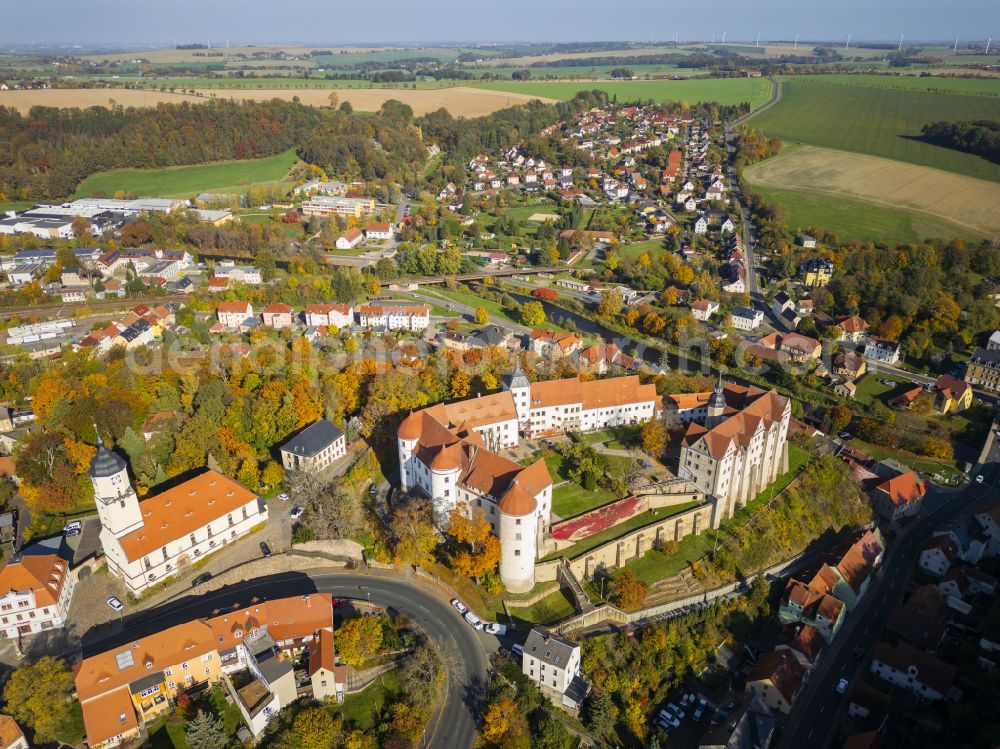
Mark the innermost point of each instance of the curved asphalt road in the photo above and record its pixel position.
(454, 725)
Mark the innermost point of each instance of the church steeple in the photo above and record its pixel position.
(117, 503)
(716, 405)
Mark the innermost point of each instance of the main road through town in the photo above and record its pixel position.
(819, 709)
(461, 650)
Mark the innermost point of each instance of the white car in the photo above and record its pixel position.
(474, 620)
(495, 628)
(980, 478)
(284, 496)
(296, 512)
(72, 528)
(461, 607)
(115, 604)
(675, 710)
(841, 686)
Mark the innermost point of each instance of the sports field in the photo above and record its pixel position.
(879, 121)
(187, 181)
(886, 184)
(722, 90)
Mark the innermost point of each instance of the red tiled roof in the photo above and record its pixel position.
(903, 489)
(782, 670)
(931, 672)
(950, 387)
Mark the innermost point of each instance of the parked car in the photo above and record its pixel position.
(373, 490)
(841, 686)
(675, 710)
(338, 603)
(844, 435)
(474, 620)
(284, 496)
(699, 712)
(297, 512)
(265, 549)
(495, 628)
(859, 652)
(204, 577)
(669, 718)
(72, 528)
(980, 478)
(517, 651)
(462, 608)
(115, 604)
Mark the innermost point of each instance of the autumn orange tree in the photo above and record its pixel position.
(504, 726)
(627, 590)
(478, 550)
(359, 639)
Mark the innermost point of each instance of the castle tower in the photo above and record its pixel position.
(716, 405)
(117, 503)
(518, 532)
(516, 382)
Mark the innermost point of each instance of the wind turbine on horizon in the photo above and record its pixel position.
(900, 47)
(795, 48)
(846, 46)
(758, 40)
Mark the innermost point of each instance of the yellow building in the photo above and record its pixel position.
(816, 272)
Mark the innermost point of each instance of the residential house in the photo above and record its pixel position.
(882, 350)
(11, 735)
(781, 302)
(798, 347)
(816, 272)
(247, 274)
(984, 368)
(916, 626)
(951, 395)
(378, 231)
(551, 344)
(806, 645)
(777, 679)
(602, 357)
(232, 314)
(899, 497)
(329, 315)
(938, 555)
(277, 316)
(250, 650)
(314, 448)
(703, 309)
(36, 589)
(328, 680)
(846, 389)
(853, 329)
(964, 582)
(989, 520)
(806, 242)
(905, 666)
(849, 365)
(553, 662)
(746, 318)
(867, 701)
(395, 317)
(349, 239)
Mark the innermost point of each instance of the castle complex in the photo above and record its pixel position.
(449, 451)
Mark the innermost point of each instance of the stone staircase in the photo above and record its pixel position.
(568, 580)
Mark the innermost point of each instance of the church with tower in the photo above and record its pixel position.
(147, 541)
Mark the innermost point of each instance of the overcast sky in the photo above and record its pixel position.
(137, 22)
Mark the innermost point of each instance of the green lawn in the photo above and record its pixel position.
(620, 435)
(188, 181)
(653, 246)
(722, 90)
(654, 565)
(16, 205)
(856, 219)
(167, 732)
(870, 389)
(363, 709)
(495, 310)
(922, 465)
(571, 499)
(882, 121)
(553, 608)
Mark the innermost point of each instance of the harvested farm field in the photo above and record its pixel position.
(965, 201)
(461, 101)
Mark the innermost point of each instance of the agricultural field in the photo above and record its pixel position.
(461, 101)
(187, 181)
(722, 90)
(919, 201)
(877, 121)
(906, 82)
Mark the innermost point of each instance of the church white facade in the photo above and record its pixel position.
(146, 542)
